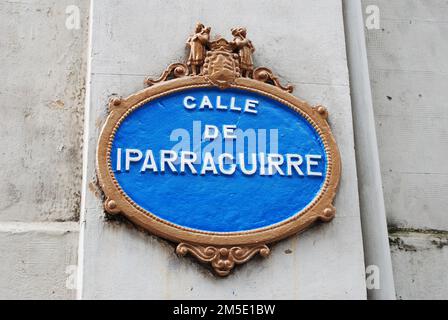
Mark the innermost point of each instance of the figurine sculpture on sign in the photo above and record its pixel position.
(198, 43)
(245, 49)
(220, 61)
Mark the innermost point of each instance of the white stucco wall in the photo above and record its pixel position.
(38, 260)
(409, 78)
(41, 106)
(303, 42)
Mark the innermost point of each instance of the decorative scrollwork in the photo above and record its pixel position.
(175, 70)
(222, 259)
(220, 61)
(264, 74)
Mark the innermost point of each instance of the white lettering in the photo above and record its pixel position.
(275, 161)
(219, 106)
(227, 163)
(189, 105)
(262, 158)
(243, 164)
(221, 162)
(209, 164)
(210, 132)
(291, 163)
(232, 105)
(206, 103)
(250, 106)
(128, 158)
(187, 158)
(310, 162)
(149, 162)
(118, 159)
(168, 157)
(229, 131)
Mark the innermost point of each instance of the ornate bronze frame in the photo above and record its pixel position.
(222, 250)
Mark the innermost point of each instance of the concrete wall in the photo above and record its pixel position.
(303, 41)
(409, 77)
(41, 105)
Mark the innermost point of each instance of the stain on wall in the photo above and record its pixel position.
(409, 77)
(43, 66)
(41, 105)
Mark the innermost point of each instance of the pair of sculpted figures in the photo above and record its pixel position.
(219, 60)
(199, 43)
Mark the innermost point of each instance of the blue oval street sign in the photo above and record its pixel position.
(219, 161)
(218, 156)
